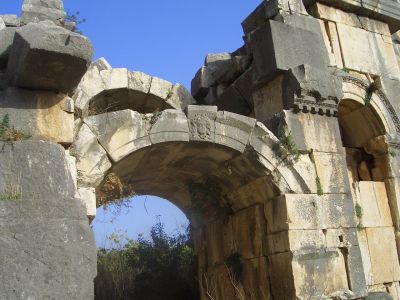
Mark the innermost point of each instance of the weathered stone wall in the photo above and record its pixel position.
(284, 156)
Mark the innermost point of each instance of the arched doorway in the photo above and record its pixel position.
(365, 127)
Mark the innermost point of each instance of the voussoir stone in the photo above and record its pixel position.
(48, 57)
(121, 132)
(91, 159)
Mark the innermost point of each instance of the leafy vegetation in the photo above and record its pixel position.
(286, 139)
(320, 190)
(161, 267)
(10, 134)
(359, 213)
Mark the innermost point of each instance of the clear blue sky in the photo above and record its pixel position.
(164, 38)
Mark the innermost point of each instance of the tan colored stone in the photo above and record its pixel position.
(366, 52)
(249, 231)
(373, 199)
(394, 290)
(282, 281)
(393, 192)
(332, 172)
(334, 39)
(383, 253)
(302, 212)
(336, 15)
(375, 26)
(326, 270)
(366, 257)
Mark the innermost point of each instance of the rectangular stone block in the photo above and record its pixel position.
(255, 276)
(306, 212)
(249, 231)
(282, 281)
(40, 114)
(383, 254)
(367, 52)
(332, 172)
(374, 202)
(333, 14)
(219, 238)
(317, 274)
(393, 192)
(273, 54)
(314, 132)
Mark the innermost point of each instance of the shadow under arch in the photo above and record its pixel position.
(219, 168)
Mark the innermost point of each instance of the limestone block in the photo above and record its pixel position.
(2, 24)
(7, 38)
(39, 114)
(115, 78)
(71, 163)
(11, 20)
(394, 290)
(160, 88)
(268, 100)
(367, 52)
(120, 132)
(265, 143)
(88, 198)
(294, 240)
(220, 242)
(374, 26)
(255, 275)
(282, 281)
(383, 254)
(327, 42)
(44, 228)
(330, 13)
(31, 65)
(273, 54)
(366, 258)
(392, 90)
(311, 81)
(202, 122)
(91, 84)
(257, 191)
(341, 237)
(36, 10)
(233, 130)
(249, 231)
(231, 100)
(334, 41)
(326, 269)
(393, 193)
(310, 212)
(373, 199)
(201, 83)
(91, 159)
(180, 97)
(314, 132)
(299, 174)
(332, 171)
(169, 125)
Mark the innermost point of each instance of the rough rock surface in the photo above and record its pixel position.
(48, 57)
(44, 229)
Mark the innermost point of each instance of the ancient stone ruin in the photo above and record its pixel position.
(286, 152)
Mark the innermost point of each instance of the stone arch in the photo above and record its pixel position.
(367, 129)
(356, 89)
(104, 89)
(220, 168)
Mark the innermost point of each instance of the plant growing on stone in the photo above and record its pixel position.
(320, 191)
(359, 213)
(10, 134)
(13, 191)
(286, 139)
(234, 263)
(75, 19)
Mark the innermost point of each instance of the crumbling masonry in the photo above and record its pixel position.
(286, 153)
